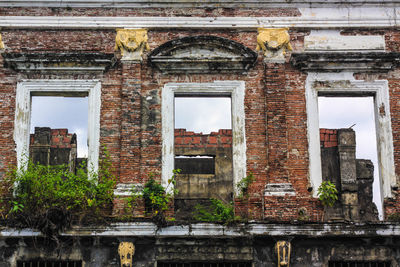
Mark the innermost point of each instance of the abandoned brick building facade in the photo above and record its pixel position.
(273, 59)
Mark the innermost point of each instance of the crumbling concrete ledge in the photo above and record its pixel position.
(148, 229)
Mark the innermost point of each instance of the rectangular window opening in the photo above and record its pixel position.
(199, 164)
(202, 150)
(359, 264)
(49, 263)
(337, 115)
(59, 130)
(204, 264)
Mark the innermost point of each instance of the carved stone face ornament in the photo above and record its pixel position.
(274, 42)
(131, 43)
(1, 43)
(126, 250)
(282, 249)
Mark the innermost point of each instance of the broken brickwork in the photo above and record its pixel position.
(205, 42)
(53, 147)
(338, 150)
(205, 161)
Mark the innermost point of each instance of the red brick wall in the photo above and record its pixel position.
(275, 123)
(222, 138)
(328, 137)
(60, 138)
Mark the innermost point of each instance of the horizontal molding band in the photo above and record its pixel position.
(53, 22)
(196, 3)
(355, 230)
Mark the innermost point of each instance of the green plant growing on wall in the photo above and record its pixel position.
(216, 212)
(244, 183)
(157, 198)
(50, 198)
(132, 201)
(327, 193)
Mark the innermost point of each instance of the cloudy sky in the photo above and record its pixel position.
(62, 112)
(203, 114)
(343, 112)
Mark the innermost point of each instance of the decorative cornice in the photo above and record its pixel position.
(66, 62)
(194, 3)
(345, 61)
(317, 230)
(307, 22)
(202, 54)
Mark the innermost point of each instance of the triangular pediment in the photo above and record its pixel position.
(202, 54)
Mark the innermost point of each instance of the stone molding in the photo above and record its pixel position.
(202, 54)
(302, 22)
(279, 189)
(345, 61)
(126, 190)
(194, 3)
(75, 62)
(148, 229)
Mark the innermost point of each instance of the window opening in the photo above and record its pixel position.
(58, 130)
(359, 264)
(233, 89)
(27, 89)
(49, 263)
(205, 264)
(203, 149)
(357, 114)
(195, 164)
(203, 114)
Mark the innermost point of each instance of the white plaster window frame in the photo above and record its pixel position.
(234, 89)
(28, 88)
(380, 90)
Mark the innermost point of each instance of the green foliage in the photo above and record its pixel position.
(132, 200)
(327, 193)
(394, 217)
(216, 212)
(244, 184)
(48, 198)
(157, 198)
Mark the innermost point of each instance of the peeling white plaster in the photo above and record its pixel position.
(332, 41)
(135, 229)
(126, 190)
(234, 89)
(27, 88)
(340, 84)
(325, 18)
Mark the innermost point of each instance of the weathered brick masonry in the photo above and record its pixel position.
(280, 204)
(276, 131)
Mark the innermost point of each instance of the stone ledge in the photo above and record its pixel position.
(345, 61)
(55, 62)
(195, 3)
(148, 229)
(281, 189)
